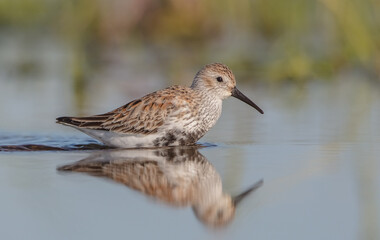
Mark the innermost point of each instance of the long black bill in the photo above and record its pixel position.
(237, 199)
(236, 93)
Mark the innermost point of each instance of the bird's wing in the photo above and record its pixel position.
(141, 116)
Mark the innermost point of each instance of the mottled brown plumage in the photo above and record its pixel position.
(144, 115)
(173, 116)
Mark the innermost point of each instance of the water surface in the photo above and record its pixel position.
(316, 148)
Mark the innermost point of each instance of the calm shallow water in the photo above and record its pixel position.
(316, 148)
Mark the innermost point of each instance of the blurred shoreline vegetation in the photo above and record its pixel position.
(273, 40)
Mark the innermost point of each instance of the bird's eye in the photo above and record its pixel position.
(219, 79)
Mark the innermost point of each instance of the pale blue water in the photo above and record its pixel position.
(316, 147)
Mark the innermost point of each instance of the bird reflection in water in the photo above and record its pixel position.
(179, 176)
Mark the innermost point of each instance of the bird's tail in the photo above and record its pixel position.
(92, 122)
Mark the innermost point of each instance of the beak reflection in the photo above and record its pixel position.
(237, 199)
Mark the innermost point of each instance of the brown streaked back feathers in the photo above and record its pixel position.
(140, 116)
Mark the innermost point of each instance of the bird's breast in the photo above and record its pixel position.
(209, 113)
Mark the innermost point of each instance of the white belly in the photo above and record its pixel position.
(120, 140)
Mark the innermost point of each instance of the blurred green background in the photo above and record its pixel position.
(262, 40)
(312, 65)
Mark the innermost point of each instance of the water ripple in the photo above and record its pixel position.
(13, 143)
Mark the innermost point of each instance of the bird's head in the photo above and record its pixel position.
(217, 79)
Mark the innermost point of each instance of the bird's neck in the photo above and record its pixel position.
(210, 110)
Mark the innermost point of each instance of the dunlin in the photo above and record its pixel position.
(173, 116)
(179, 177)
